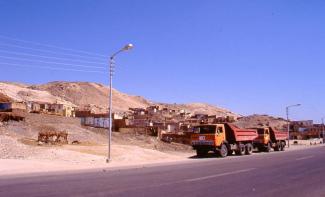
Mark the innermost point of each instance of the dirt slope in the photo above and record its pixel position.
(201, 108)
(83, 93)
(4, 98)
(19, 92)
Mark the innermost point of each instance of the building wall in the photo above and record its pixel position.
(5, 106)
(13, 106)
(100, 122)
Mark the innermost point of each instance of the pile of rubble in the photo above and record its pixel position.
(5, 117)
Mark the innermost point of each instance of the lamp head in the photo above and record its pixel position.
(128, 47)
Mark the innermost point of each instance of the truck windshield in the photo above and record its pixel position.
(260, 131)
(209, 129)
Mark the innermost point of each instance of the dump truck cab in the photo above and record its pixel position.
(208, 135)
(269, 138)
(263, 135)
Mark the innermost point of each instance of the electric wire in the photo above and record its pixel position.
(50, 57)
(49, 62)
(52, 46)
(52, 68)
(49, 51)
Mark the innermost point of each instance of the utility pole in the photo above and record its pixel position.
(323, 128)
(288, 122)
(288, 126)
(111, 73)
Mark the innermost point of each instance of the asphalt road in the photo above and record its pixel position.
(292, 173)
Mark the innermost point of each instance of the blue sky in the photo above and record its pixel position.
(248, 56)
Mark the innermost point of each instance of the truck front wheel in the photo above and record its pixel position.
(223, 152)
(277, 146)
(268, 147)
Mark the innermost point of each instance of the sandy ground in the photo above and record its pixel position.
(19, 166)
(24, 159)
(19, 158)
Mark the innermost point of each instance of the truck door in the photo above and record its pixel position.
(220, 135)
(266, 136)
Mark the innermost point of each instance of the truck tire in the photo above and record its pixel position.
(201, 152)
(277, 146)
(283, 145)
(268, 147)
(241, 149)
(223, 152)
(248, 149)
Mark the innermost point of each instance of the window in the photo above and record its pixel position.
(206, 129)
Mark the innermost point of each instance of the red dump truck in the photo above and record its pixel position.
(269, 138)
(223, 139)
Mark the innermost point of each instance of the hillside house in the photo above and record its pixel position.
(13, 106)
(153, 109)
(61, 109)
(138, 111)
(51, 108)
(102, 120)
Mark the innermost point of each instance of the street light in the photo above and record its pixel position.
(111, 72)
(323, 129)
(288, 124)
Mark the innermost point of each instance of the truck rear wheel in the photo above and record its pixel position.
(223, 152)
(241, 149)
(201, 152)
(248, 149)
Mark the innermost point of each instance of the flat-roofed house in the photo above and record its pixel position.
(12, 106)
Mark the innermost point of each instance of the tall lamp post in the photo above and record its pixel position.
(288, 123)
(323, 129)
(111, 73)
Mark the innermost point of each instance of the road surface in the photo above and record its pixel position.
(291, 173)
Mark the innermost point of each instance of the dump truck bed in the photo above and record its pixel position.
(278, 135)
(235, 134)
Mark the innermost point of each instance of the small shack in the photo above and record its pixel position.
(12, 106)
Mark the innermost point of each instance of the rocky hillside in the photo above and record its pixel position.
(21, 92)
(83, 93)
(4, 98)
(201, 108)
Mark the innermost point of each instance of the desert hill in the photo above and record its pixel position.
(83, 93)
(21, 92)
(4, 98)
(200, 108)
